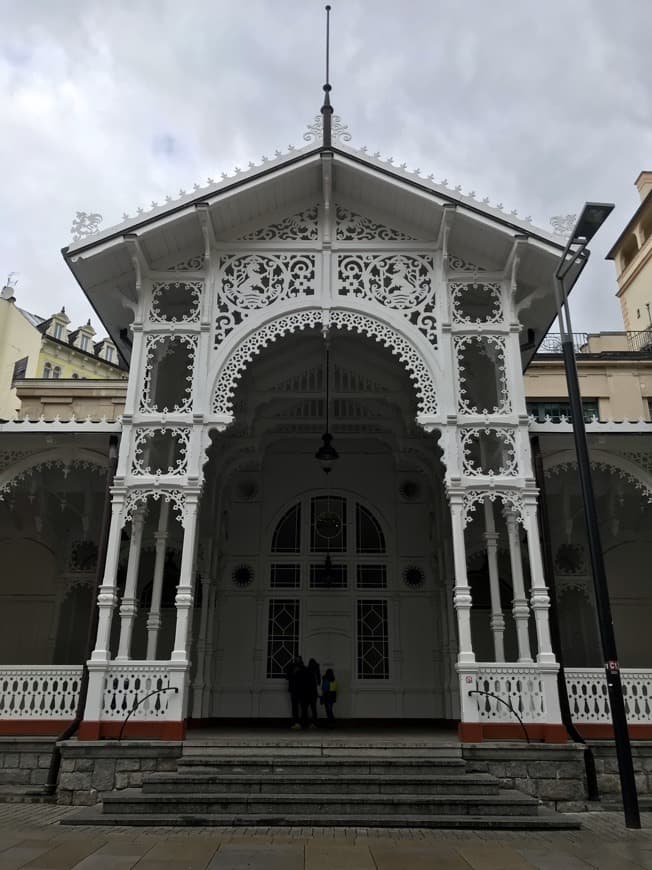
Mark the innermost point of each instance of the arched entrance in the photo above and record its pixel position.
(350, 568)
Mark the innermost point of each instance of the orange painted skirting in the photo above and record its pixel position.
(33, 727)
(600, 731)
(132, 731)
(476, 732)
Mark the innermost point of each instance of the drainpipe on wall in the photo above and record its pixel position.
(555, 634)
(55, 759)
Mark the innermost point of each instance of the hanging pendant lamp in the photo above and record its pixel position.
(327, 455)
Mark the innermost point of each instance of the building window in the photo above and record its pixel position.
(328, 524)
(285, 576)
(20, 369)
(558, 408)
(649, 408)
(369, 535)
(47, 370)
(57, 332)
(108, 354)
(282, 635)
(83, 342)
(56, 372)
(328, 576)
(75, 376)
(373, 641)
(287, 534)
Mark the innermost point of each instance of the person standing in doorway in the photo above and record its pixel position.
(329, 695)
(315, 689)
(293, 675)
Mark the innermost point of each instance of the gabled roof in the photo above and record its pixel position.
(168, 233)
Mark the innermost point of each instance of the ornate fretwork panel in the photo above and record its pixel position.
(192, 264)
(302, 227)
(481, 372)
(403, 282)
(139, 499)
(476, 303)
(488, 451)
(161, 451)
(352, 227)
(614, 469)
(167, 383)
(8, 457)
(62, 466)
(457, 264)
(253, 281)
(511, 500)
(175, 301)
(352, 321)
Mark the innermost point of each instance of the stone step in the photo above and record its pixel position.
(320, 765)
(133, 801)
(25, 794)
(542, 822)
(278, 781)
(311, 747)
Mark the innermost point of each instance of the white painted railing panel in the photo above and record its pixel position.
(151, 687)
(522, 686)
(589, 700)
(45, 692)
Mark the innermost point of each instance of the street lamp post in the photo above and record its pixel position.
(571, 264)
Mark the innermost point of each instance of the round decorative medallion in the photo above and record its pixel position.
(247, 489)
(569, 559)
(410, 490)
(329, 525)
(413, 577)
(242, 575)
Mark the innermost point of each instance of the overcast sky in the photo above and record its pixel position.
(106, 105)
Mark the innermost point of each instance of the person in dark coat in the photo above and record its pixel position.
(306, 691)
(329, 695)
(313, 667)
(293, 676)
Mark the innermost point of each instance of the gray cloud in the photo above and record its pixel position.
(108, 106)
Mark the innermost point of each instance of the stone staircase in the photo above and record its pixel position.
(319, 784)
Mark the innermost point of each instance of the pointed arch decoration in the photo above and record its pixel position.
(63, 458)
(353, 321)
(602, 460)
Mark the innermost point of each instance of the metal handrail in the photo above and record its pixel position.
(139, 702)
(508, 704)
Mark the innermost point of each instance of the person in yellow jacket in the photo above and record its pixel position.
(329, 695)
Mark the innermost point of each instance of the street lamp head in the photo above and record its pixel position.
(593, 215)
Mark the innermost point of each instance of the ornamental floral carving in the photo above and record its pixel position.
(511, 500)
(352, 227)
(403, 282)
(253, 281)
(157, 349)
(63, 465)
(192, 264)
(137, 498)
(171, 445)
(353, 321)
(184, 296)
(488, 451)
(640, 485)
(457, 264)
(301, 227)
(488, 350)
(476, 303)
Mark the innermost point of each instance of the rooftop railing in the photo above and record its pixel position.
(639, 341)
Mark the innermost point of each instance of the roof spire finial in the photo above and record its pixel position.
(327, 109)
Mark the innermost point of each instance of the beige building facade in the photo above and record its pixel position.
(35, 347)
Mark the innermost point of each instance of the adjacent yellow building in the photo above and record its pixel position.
(37, 347)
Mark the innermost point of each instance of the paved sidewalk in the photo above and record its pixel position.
(30, 837)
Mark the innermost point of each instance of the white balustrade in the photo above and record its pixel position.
(146, 690)
(42, 692)
(490, 688)
(589, 699)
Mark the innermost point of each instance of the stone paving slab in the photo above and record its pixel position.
(31, 837)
